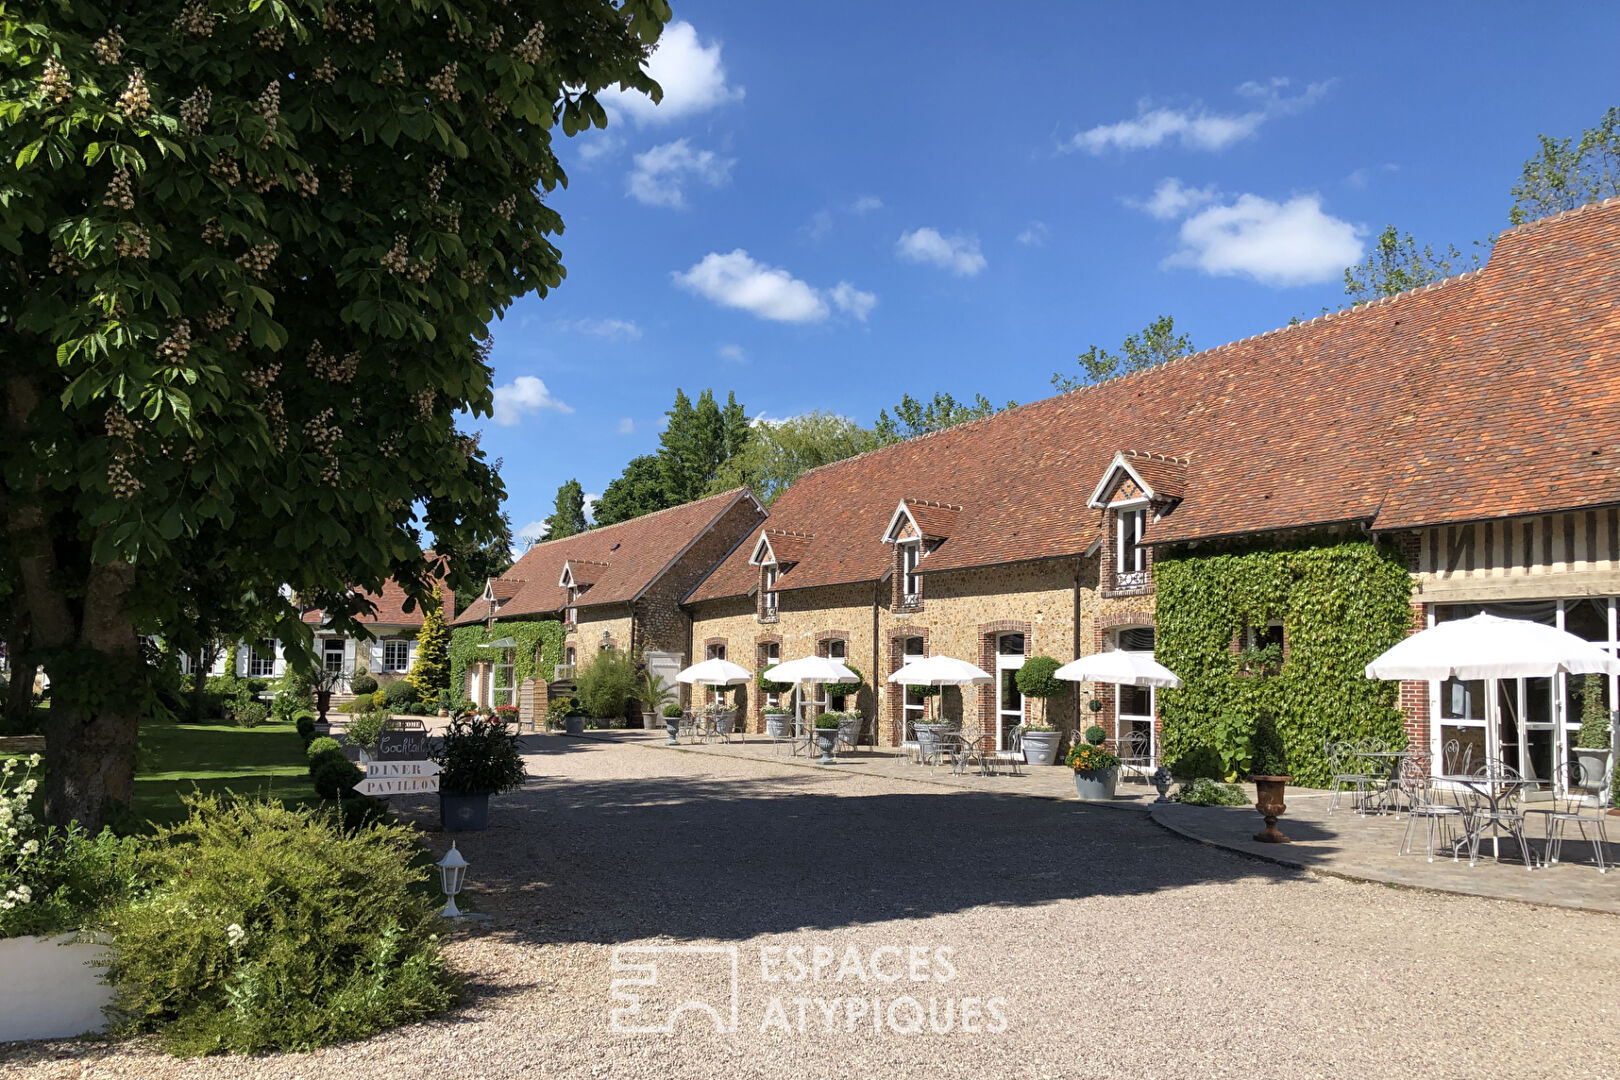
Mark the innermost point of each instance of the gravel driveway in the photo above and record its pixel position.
(1055, 940)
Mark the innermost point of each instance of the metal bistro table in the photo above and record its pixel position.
(963, 748)
(1494, 788)
(1387, 798)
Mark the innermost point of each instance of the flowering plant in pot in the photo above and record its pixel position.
(1096, 770)
(1268, 768)
(478, 758)
(777, 721)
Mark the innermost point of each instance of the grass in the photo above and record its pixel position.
(177, 759)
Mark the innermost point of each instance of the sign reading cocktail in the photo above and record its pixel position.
(385, 778)
(403, 740)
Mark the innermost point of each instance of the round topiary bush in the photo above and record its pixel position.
(305, 725)
(323, 745)
(1095, 735)
(399, 693)
(334, 777)
(362, 684)
(273, 929)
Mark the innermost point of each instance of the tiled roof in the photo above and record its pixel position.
(627, 557)
(1165, 475)
(390, 606)
(788, 547)
(585, 572)
(936, 520)
(1491, 394)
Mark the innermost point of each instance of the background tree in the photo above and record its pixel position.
(696, 442)
(912, 417)
(636, 491)
(1156, 344)
(250, 252)
(1570, 172)
(430, 672)
(780, 451)
(1396, 264)
(472, 567)
(567, 513)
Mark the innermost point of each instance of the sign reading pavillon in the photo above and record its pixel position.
(401, 766)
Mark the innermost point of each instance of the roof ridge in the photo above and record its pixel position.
(1169, 459)
(933, 503)
(1560, 216)
(601, 530)
(790, 532)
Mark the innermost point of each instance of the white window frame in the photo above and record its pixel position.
(570, 613)
(912, 712)
(392, 644)
(768, 594)
(1009, 662)
(1131, 520)
(1121, 717)
(910, 579)
(262, 667)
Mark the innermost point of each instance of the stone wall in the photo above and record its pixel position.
(661, 623)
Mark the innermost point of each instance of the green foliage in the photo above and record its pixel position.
(398, 693)
(430, 672)
(1035, 679)
(766, 686)
(1570, 173)
(654, 693)
(362, 685)
(607, 685)
(638, 490)
(295, 693)
(913, 418)
(557, 711)
(697, 440)
(1595, 732)
(1095, 735)
(567, 512)
(472, 566)
(781, 451)
(1090, 757)
(334, 776)
(323, 745)
(1197, 762)
(539, 649)
(1157, 343)
(1341, 604)
(828, 720)
(1396, 264)
(1267, 754)
(365, 729)
(845, 689)
(1204, 791)
(251, 714)
(672, 711)
(306, 728)
(271, 929)
(479, 757)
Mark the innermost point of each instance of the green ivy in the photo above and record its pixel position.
(539, 650)
(1341, 604)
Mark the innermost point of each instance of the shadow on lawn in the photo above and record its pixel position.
(701, 858)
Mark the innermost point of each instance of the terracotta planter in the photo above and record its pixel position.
(1268, 799)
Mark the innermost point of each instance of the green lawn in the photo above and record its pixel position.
(177, 759)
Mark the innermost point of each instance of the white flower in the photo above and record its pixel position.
(235, 935)
(34, 760)
(31, 847)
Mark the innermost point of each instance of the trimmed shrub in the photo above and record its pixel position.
(1198, 762)
(362, 684)
(607, 684)
(306, 728)
(1095, 735)
(251, 714)
(323, 745)
(334, 776)
(1206, 792)
(399, 693)
(272, 929)
(1267, 754)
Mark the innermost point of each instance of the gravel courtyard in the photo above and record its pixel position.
(1054, 940)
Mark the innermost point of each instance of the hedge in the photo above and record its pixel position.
(539, 651)
(1341, 604)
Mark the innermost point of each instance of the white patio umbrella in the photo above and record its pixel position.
(811, 669)
(714, 673)
(940, 671)
(1492, 648)
(1118, 666)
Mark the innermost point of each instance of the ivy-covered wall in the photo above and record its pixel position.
(1341, 604)
(539, 651)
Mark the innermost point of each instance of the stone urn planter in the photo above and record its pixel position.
(52, 987)
(1040, 747)
(1096, 785)
(574, 725)
(827, 741)
(464, 813)
(1594, 765)
(777, 725)
(323, 701)
(1268, 800)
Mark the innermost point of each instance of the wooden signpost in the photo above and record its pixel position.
(401, 766)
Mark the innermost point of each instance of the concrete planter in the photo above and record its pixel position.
(827, 741)
(1096, 785)
(649, 721)
(927, 741)
(1040, 747)
(1594, 764)
(574, 725)
(464, 813)
(776, 725)
(51, 989)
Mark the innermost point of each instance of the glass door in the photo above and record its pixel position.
(916, 705)
(1009, 701)
(332, 659)
(1136, 703)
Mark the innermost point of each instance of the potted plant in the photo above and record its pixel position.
(778, 721)
(1034, 679)
(364, 731)
(654, 694)
(1096, 770)
(574, 722)
(325, 681)
(478, 758)
(672, 722)
(843, 690)
(444, 703)
(1594, 743)
(827, 735)
(1268, 768)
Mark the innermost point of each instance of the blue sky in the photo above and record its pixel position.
(839, 203)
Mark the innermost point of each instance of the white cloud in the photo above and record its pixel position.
(866, 204)
(691, 74)
(733, 354)
(627, 426)
(1171, 199)
(531, 532)
(1288, 243)
(852, 301)
(590, 507)
(819, 225)
(661, 174)
(598, 145)
(736, 280)
(1360, 178)
(957, 253)
(1197, 128)
(1034, 234)
(609, 329)
(522, 396)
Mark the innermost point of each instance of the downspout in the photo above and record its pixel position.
(877, 700)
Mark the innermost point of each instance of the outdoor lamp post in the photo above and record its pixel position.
(607, 639)
(452, 872)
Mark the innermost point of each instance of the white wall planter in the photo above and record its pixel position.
(52, 987)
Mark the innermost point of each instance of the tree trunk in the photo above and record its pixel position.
(20, 693)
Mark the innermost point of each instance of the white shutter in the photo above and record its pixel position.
(376, 654)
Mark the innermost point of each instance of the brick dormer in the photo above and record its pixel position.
(776, 552)
(1136, 490)
(916, 528)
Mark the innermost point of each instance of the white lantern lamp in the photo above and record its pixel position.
(452, 873)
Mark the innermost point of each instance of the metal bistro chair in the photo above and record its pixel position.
(725, 724)
(966, 749)
(690, 725)
(1504, 812)
(1135, 750)
(1579, 805)
(1345, 767)
(849, 731)
(934, 746)
(1423, 804)
(1012, 756)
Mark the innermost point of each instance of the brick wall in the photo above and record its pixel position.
(1414, 696)
(661, 623)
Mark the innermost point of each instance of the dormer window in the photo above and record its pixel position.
(767, 587)
(1131, 560)
(910, 580)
